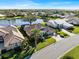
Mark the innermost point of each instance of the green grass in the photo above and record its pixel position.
(45, 43)
(38, 16)
(43, 24)
(63, 34)
(2, 18)
(74, 53)
(17, 17)
(12, 18)
(56, 18)
(76, 30)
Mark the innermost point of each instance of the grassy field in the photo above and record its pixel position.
(73, 54)
(45, 43)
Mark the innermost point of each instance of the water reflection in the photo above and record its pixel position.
(18, 22)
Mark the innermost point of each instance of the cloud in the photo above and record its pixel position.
(19, 5)
(30, 4)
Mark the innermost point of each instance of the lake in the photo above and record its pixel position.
(18, 22)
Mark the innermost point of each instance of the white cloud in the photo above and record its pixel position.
(33, 5)
(28, 4)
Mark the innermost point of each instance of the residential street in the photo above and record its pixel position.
(55, 50)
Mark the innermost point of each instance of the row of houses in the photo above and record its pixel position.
(10, 37)
(52, 24)
(74, 21)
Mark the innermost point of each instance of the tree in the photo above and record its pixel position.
(35, 35)
(25, 45)
(30, 17)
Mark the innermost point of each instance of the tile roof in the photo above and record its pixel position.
(38, 27)
(11, 34)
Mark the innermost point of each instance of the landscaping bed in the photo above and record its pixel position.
(17, 55)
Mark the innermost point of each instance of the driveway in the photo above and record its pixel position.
(55, 50)
(70, 34)
(58, 38)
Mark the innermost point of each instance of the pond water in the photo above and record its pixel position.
(18, 22)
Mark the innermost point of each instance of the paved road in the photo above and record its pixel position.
(55, 50)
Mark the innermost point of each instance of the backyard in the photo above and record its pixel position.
(73, 54)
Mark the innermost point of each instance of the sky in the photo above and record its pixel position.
(39, 4)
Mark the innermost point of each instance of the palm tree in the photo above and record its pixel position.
(30, 17)
(25, 45)
(35, 35)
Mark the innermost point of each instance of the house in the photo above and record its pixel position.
(59, 24)
(10, 37)
(38, 21)
(74, 21)
(55, 15)
(1, 15)
(38, 27)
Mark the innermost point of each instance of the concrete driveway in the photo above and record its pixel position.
(55, 50)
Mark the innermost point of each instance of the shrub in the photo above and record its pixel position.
(3, 51)
(68, 57)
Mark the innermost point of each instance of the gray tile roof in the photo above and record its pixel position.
(11, 34)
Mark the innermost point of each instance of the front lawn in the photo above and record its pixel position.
(62, 34)
(43, 24)
(76, 30)
(73, 54)
(45, 43)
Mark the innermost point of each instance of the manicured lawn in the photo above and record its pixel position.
(45, 43)
(76, 30)
(74, 54)
(2, 18)
(43, 24)
(38, 17)
(17, 17)
(62, 34)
